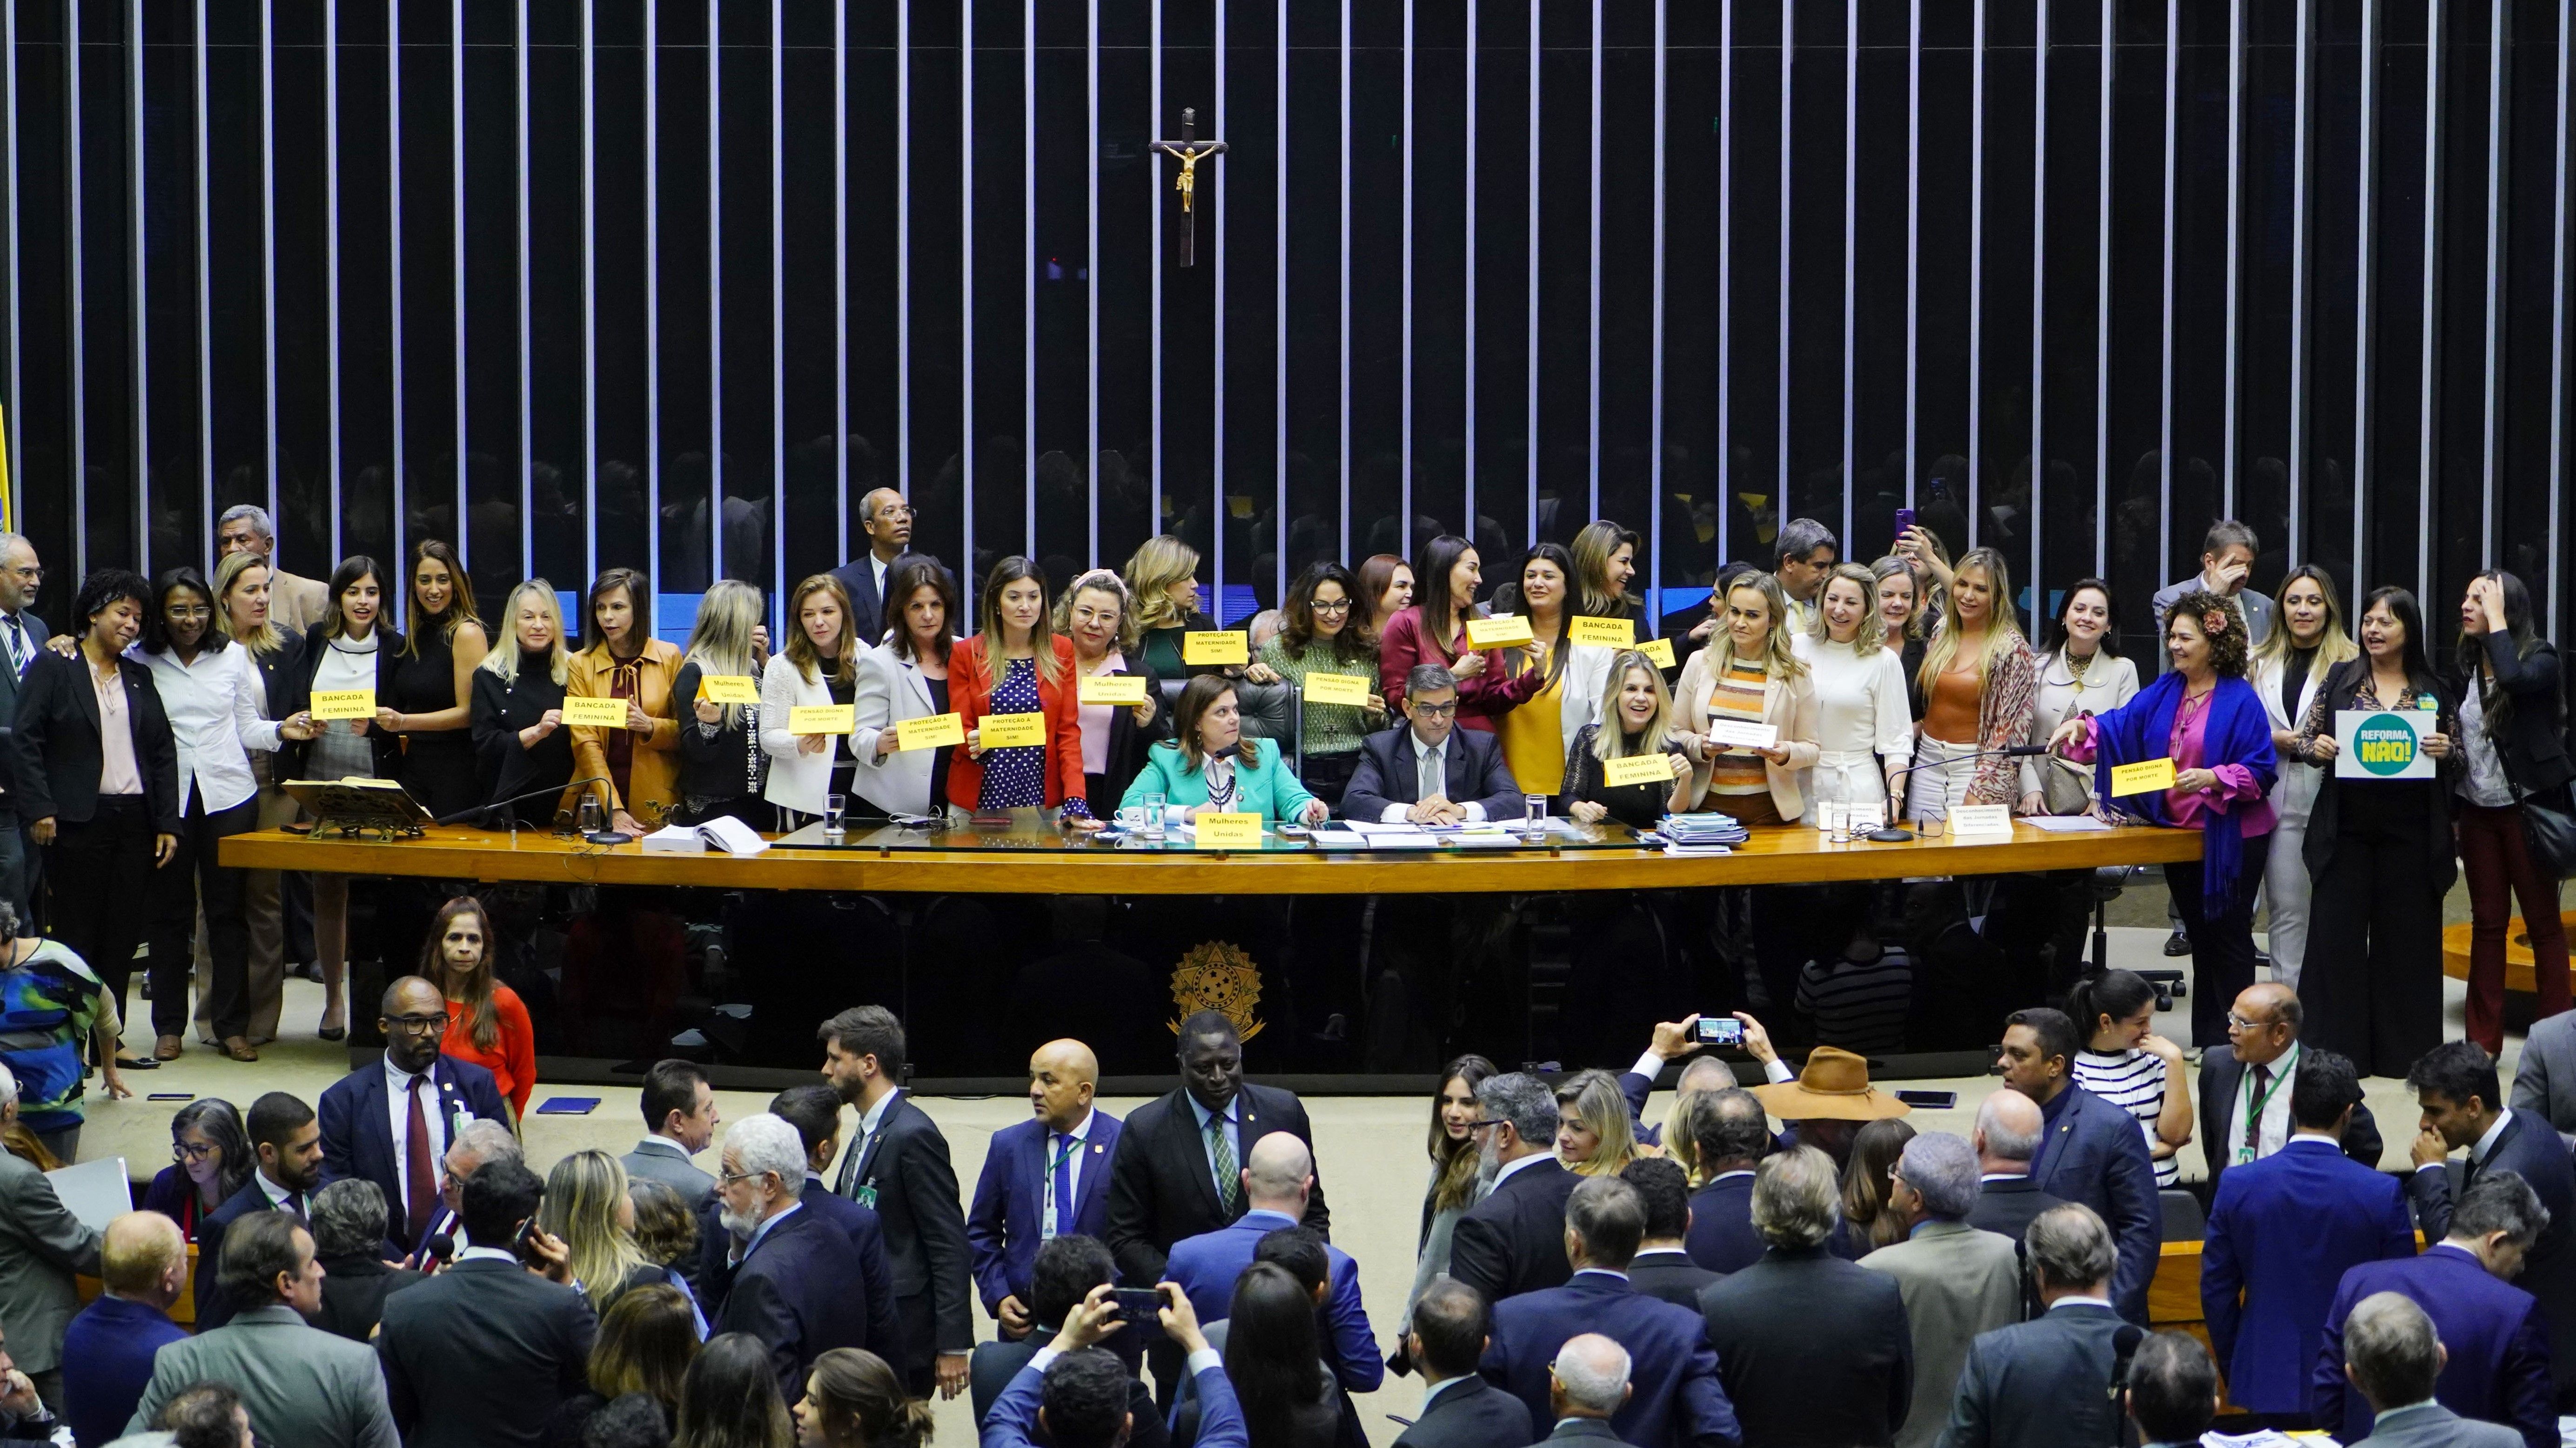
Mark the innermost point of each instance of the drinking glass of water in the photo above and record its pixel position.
(1533, 816)
(1152, 829)
(834, 807)
(588, 816)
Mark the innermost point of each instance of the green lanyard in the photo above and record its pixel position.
(2254, 1104)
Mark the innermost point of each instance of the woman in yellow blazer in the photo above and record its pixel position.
(621, 659)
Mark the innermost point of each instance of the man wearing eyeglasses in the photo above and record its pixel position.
(391, 1122)
(21, 633)
(1431, 772)
(886, 519)
(2244, 1086)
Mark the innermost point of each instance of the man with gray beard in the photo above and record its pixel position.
(1513, 1241)
(788, 1276)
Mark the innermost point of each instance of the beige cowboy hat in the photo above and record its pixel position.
(1833, 1087)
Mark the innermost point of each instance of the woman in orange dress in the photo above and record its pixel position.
(487, 1023)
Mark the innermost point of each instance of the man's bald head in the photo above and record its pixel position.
(2264, 1023)
(410, 995)
(1278, 1174)
(1591, 1377)
(413, 1016)
(1704, 1073)
(2008, 1126)
(1062, 1077)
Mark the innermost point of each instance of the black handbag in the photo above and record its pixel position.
(2549, 832)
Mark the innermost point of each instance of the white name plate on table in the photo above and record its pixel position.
(1981, 819)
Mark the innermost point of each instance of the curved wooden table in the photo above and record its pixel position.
(2517, 951)
(1771, 857)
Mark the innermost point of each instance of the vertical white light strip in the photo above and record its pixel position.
(2302, 176)
(2165, 363)
(966, 290)
(2499, 25)
(715, 304)
(393, 250)
(1851, 239)
(267, 226)
(9, 167)
(138, 307)
(527, 389)
(456, 257)
(1913, 227)
(1405, 424)
(2557, 479)
(1655, 405)
(2366, 284)
(1091, 280)
(1405, 529)
(1216, 450)
(1466, 245)
(2101, 325)
(1154, 228)
(2038, 304)
(590, 303)
(2235, 205)
(1279, 289)
(653, 285)
(331, 251)
(903, 243)
(1530, 405)
(778, 296)
(1029, 273)
(841, 280)
(2426, 480)
(80, 294)
(1977, 262)
(1788, 57)
(1725, 401)
(1593, 311)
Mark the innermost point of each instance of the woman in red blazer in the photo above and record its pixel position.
(1434, 631)
(1017, 664)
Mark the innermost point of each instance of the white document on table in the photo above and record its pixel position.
(1374, 827)
(2064, 824)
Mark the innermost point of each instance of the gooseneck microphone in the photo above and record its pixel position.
(1894, 833)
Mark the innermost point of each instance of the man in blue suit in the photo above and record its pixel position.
(1430, 771)
(2497, 1345)
(886, 520)
(1276, 1181)
(1676, 1400)
(1076, 1396)
(288, 1143)
(815, 1112)
(1045, 1178)
(108, 1349)
(2455, 1085)
(2090, 1151)
(795, 1279)
(2284, 1230)
(1732, 1135)
(390, 1123)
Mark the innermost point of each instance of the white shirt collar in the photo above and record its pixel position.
(2486, 1143)
(278, 1196)
(1532, 1159)
(1721, 1176)
(398, 1080)
(875, 1115)
(2002, 1176)
(1420, 748)
(2101, 1302)
(486, 1254)
(1081, 1129)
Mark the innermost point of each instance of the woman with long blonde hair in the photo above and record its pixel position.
(1594, 1135)
(2307, 640)
(242, 612)
(1605, 558)
(1980, 686)
(1636, 720)
(1162, 584)
(818, 668)
(1753, 677)
(586, 1206)
(721, 763)
(518, 709)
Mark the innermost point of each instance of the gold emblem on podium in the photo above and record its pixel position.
(1217, 976)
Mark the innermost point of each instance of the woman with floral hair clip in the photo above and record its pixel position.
(2210, 723)
(1095, 612)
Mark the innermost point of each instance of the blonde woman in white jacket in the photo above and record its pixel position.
(1864, 726)
(820, 665)
(2306, 642)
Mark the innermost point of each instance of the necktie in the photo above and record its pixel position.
(850, 1163)
(1059, 1184)
(1221, 1150)
(17, 647)
(420, 1179)
(2263, 1099)
(1433, 783)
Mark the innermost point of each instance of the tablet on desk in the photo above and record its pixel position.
(568, 1106)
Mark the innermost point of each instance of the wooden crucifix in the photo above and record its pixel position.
(1189, 151)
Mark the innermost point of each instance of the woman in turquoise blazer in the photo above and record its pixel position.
(1208, 767)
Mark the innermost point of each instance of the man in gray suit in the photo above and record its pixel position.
(299, 1384)
(2392, 1356)
(1957, 1281)
(680, 1114)
(2046, 1383)
(2545, 1083)
(41, 1247)
(21, 634)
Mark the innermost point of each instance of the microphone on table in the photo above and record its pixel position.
(1893, 833)
(441, 1250)
(459, 816)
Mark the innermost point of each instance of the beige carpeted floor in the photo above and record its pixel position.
(1370, 1149)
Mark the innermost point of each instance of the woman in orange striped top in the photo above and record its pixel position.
(1755, 678)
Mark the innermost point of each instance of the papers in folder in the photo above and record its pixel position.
(1703, 833)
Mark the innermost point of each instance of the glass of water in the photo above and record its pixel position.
(588, 816)
(834, 807)
(1533, 816)
(1152, 828)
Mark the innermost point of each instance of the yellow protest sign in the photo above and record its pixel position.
(1324, 688)
(1609, 633)
(1113, 688)
(1660, 650)
(1210, 648)
(344, 704)
(1638, 769)
(1498, 633)
(1228, 831)
(591, 712)
(822, 719)
(2142, 778)
(729, 689)
(931, 731)
(1011, 731)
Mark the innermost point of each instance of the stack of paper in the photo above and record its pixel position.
(1705, 828)
(674, 840)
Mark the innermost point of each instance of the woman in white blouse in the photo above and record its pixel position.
(1864, 727)
(213, 694)
(2078, 676)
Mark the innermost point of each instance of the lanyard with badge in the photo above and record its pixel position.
(1046, 1226)
(2254, 1105)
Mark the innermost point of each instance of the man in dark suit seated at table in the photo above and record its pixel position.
(2394, 1358)
(1662, 1267)
(2045, 1383)
(1734, 1134)
(2283, 1232)
(1178, 1169)
(1044, 1177)
(1514, 1240)
(815, 1112)
(288, 1142)
(790, 1276)
(361, 1136)
(1459, 1408)
(1676, 1399)
(1066, 1270)
(2455, 1084)
(2090, 1151)
(1431, 772)
(2494, 1341)
(485, 1351)
(2244, 1087)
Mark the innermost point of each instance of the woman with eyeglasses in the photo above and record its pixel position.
(1093, 612)
(210, 1159)
(1324, 633)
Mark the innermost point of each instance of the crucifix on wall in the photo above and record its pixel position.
(1189, 151)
